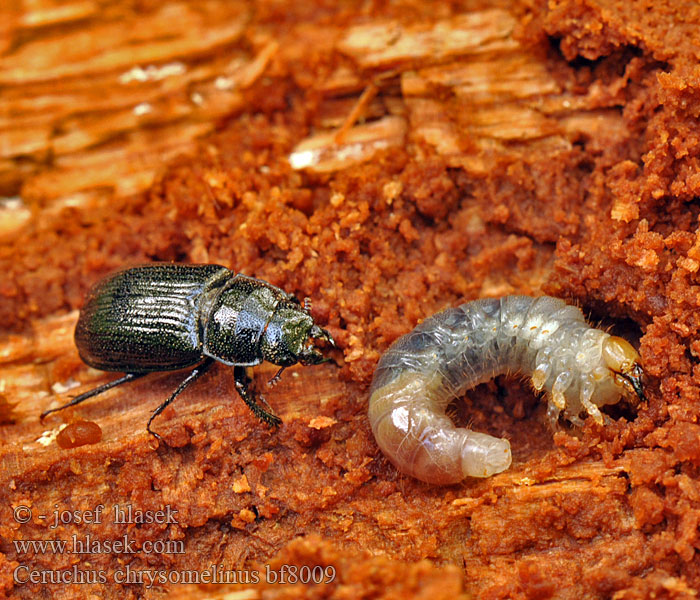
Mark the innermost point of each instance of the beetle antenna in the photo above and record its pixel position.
(307, 304)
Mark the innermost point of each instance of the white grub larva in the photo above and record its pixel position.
(580, 368)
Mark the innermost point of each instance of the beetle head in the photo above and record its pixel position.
(310, 354)
(290, 337)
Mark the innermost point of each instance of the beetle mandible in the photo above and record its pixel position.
(164, 317)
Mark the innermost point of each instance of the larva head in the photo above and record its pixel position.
(623, 360)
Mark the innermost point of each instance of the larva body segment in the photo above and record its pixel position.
(579, 367)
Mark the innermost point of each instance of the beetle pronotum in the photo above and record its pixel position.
(163, 317)
(579, 367)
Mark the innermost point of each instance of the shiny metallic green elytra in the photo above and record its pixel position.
(164, 317)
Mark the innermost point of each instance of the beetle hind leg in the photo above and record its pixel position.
(98, 390)
(242, 382)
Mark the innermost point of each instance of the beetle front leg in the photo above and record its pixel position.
(275, 379)
(195, 374)
(242, 381)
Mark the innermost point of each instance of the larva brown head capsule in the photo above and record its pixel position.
(623, 360)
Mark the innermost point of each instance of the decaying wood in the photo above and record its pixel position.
(96, 100)
(88, 113)
(502, 98)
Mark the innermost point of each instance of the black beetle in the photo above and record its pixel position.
(163, 317)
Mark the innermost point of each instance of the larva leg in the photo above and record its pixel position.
(561, 384)
(553, 412)
(539, 376)
(587, 390)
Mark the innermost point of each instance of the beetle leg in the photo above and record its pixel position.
(195, 374)
(275, 378)
(242, 381)
(98, 390)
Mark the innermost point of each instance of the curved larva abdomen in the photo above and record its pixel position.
(579, 367)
